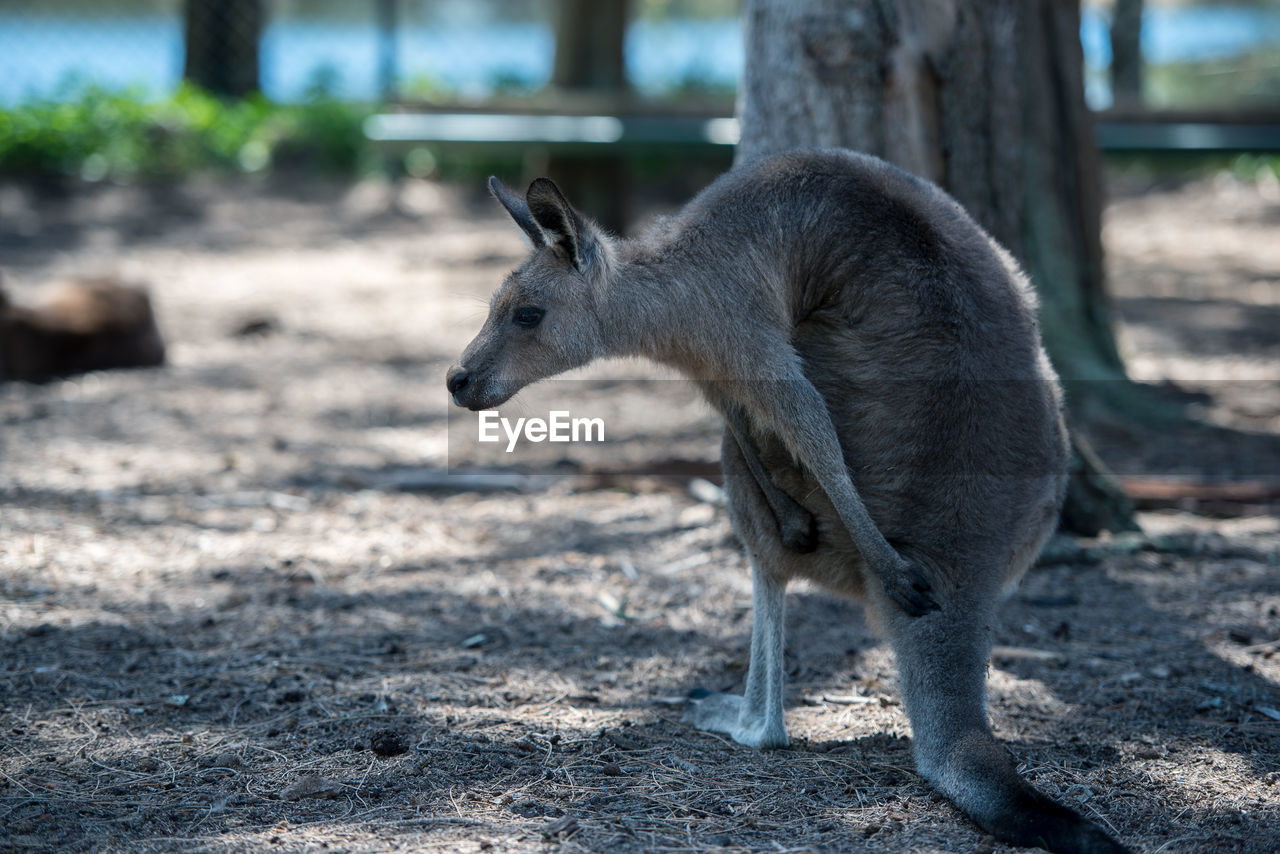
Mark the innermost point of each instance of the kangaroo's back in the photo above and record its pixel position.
(921, 334)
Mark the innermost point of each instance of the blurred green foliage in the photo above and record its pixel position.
(1256, 167)
(690, 9)
(97, 133)
(1249, 80)
(1172, 168)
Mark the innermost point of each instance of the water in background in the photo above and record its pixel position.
(139, 43)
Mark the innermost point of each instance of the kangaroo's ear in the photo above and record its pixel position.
(560, 223)
(519, 210)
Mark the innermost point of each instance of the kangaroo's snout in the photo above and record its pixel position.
(457, 381)
(475, 390)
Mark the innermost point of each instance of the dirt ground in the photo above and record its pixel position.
(242, 610)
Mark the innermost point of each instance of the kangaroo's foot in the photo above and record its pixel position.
(728, 714)
(907, 585)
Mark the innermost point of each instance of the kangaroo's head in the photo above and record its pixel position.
(545, 318)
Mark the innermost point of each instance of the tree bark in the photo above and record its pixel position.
(222, 45)
(983, 97)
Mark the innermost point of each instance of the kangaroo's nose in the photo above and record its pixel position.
(457, 380)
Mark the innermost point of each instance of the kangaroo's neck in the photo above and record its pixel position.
(663, 287)
(644, 305)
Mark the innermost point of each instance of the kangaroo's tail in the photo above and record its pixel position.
(941, 662)
(979, 776)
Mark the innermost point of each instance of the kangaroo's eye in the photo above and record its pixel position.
(528, 316)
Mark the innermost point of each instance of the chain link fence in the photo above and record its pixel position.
(1196, 53)
(349, 49)
(359, 50)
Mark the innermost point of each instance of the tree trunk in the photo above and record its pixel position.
(983, 97)
(1126, 54)
(388, 14)
(222, 45)
(589, 46)
(591, 60)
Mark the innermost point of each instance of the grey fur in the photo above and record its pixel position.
(519, 210)
(796, 526)
(877, 357)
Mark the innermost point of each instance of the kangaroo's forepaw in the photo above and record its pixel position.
(909, 588)
(799, 531)
(714, 712)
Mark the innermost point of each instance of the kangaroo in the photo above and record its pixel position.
(84, 325)
(893, 426)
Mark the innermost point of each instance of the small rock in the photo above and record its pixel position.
(564, 826)
(621, 741)
(706, 491)
(235, 599)
(256, 326)
(388, 742)
(310, 786)
(697, 516)
(226, 759)
(532, 809)
(685, 765)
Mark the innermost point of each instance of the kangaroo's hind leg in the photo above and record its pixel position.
(755, 717)
(941, 665)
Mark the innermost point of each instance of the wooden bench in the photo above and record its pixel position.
(607, 132)
(1188, 131)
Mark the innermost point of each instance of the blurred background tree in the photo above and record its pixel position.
(590, 67)
(1126, 53)
(221, 38)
